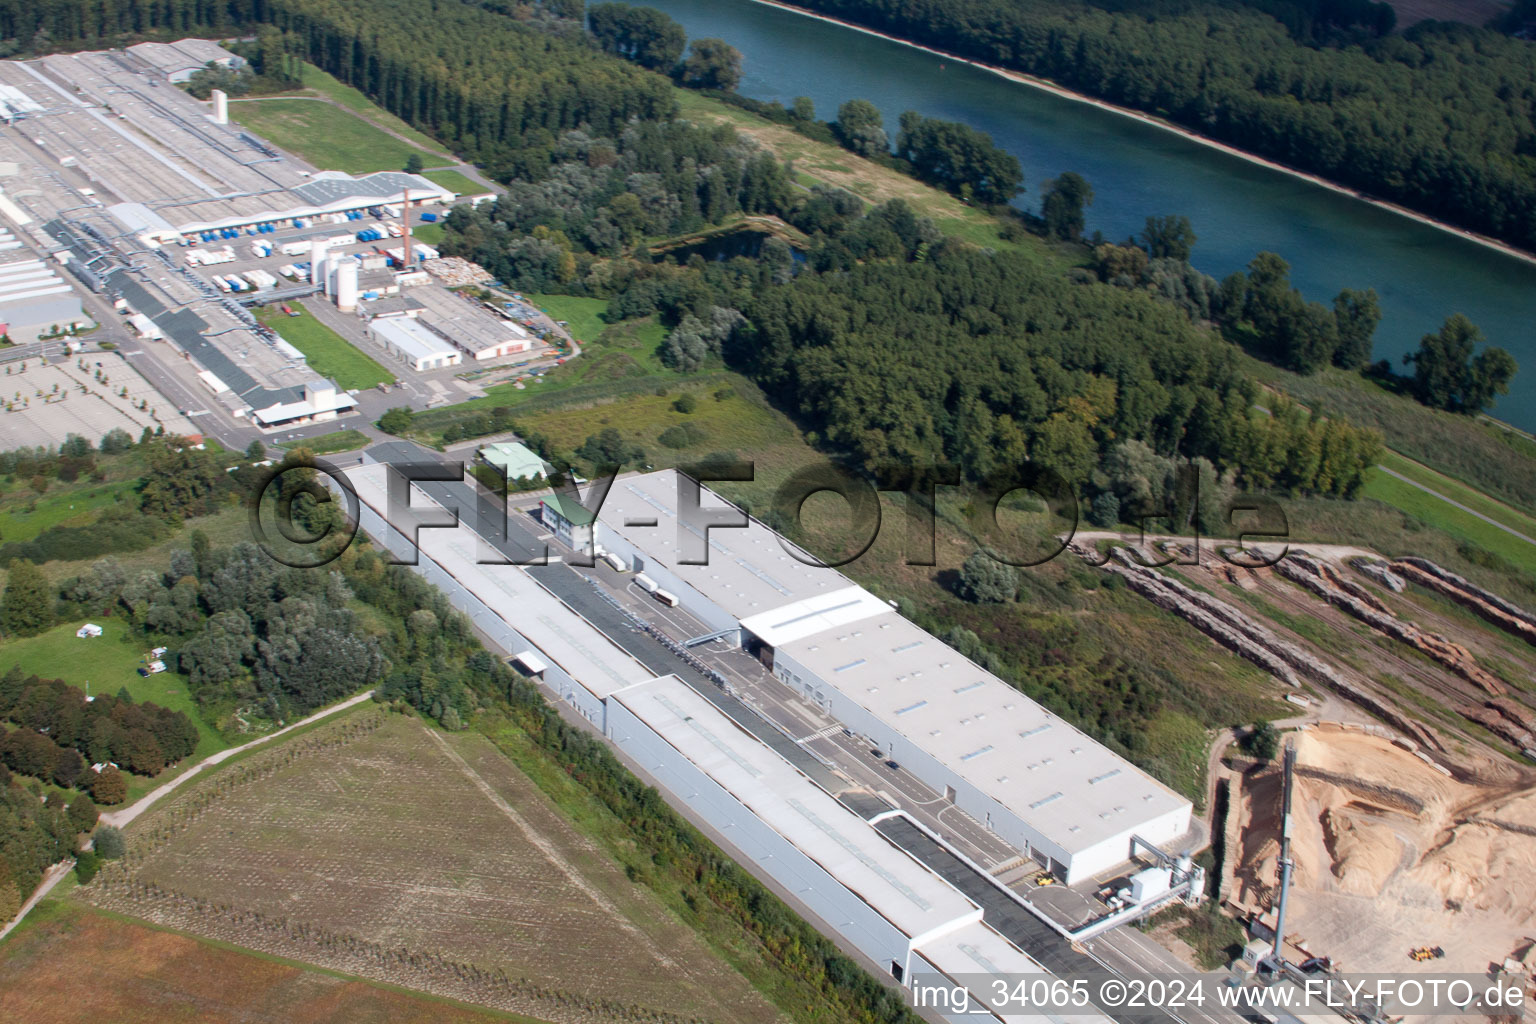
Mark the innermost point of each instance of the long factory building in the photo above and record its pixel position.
(1053, 792)
(905, 919)
(166, 168)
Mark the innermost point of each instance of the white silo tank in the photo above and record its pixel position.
(220, 106)
(346, 286)
(317, 263)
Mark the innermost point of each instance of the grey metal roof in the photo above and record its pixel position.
(53, 309)
(381, 185)
(186, 328)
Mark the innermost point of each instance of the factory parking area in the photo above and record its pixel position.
(43, 402)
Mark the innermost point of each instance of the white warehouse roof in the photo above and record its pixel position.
(1065, 785)
(411, 337)
(943, 926)
(1059, 780)
(750, 571)
(920, 904)
(577, 647)
(814, 615)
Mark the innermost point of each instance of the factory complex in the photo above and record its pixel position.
(1053, 792)
(112, 176)
(1059, 796)
(174, 172)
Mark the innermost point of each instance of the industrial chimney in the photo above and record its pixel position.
(220, 106)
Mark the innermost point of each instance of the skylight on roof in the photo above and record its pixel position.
(976, 753)
(912, 707)
(1043, 801)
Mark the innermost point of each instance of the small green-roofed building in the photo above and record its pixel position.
(567, 519)
(514, 461)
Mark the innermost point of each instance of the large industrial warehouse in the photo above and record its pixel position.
(907, 920)
(171, 169)
(1046, 787)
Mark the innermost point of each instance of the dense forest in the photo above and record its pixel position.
(893, 345)
(1439, 118)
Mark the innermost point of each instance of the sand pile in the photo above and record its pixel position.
(1388, 851)
(1363, 852)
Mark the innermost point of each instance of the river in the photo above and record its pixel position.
(1238, 208)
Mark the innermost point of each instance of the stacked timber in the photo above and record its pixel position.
(1506, 615)
(1448, 653)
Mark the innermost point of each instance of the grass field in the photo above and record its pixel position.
(72, 963)
(1481, 454)
(1443, 516)
(583, 314)
(329, 86)
(24, 513)
(330, 444)
(329, 354)
(451, 179)
(328, 137)
(725, 417)
(108, 663)
(375, 845)
(1459, 492)
(431, 234)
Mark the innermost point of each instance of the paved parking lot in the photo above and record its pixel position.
(47, 401)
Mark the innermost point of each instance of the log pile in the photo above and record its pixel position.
(1306, 573)
(1491, 607)
(1377, 570)
(1244, 636)
(1490, 716)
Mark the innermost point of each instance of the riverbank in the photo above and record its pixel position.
(1045, 85)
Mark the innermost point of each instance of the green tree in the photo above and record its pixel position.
(87, 863)
(10, 898)
(181, 481)
(397, 420)
(1168, 237)
(803, 109)
(82, 812)
(685, 403)
(609, 449)
(1066, 197)
(109, 787)
(1263, 742)
(985, 580)
(1104, 511)
(959, 158)
(861, 128)
(1449, 373)
(711, 64)
(256, 451)
(1356, 315)
(641, 34)
(413, 164)
(26, 606)
(108, 843)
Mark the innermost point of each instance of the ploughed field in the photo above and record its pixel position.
(385, 849)
(84, 965)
